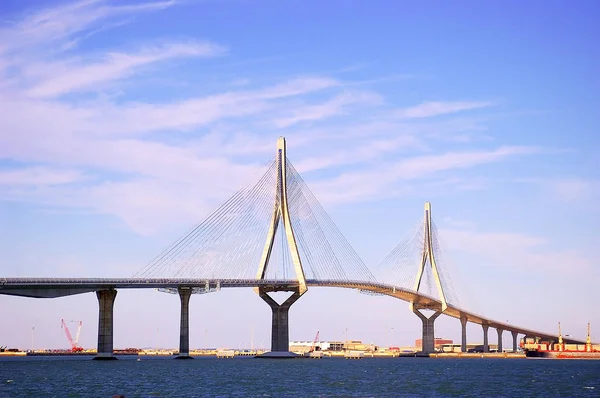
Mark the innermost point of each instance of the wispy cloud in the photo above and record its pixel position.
(569, 190)
(74, 75)
(431, 109)
(36, 56)
(388, 179)
(335, 106)
(298, 86)
(27, 123)
(513, 250)
(421, 166)
(575, 189)
(148, 161)
(365, 153)
(35, 176)
(53, 25)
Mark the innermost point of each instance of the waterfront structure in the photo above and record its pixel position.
(357, 345)
(471, 347)
(438, 342)
(221, 252)
(306, 346)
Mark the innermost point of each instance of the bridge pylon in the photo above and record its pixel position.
(428, 333)
(281, 214)
(427, 254)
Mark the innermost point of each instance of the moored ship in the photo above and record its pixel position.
(554, 354)
(560, 350)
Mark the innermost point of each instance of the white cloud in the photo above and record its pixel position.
(51, 26)
(298, 86)
(335, 106)
(368, 151)
(431, 109)
(39, 176)
(514, 250)
(388, 179)
(424, 165)
(575, 189)
(148, 162)
(72, 76)
(33, 48)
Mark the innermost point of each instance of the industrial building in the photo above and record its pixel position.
(306, 346)
(350, 345)
(438, 342)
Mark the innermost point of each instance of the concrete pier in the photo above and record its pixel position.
(514, 336)
(486, 344)
(184, 325)
(500, 348)
(428, 338)
(463, 325)
(106, 301)
(280, 341)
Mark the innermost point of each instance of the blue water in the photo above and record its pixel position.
(249, 377)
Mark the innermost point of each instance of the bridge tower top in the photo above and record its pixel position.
(281, 214)
(427, 254)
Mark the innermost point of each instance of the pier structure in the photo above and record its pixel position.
(185, 293)
(515, 335)
(463, 327)
(486, 344)
(499, 331)
(106, 302)
(428, 334)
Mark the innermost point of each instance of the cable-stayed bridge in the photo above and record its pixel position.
(273, 235)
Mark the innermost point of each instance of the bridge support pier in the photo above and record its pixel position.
(280, 340)
(500, 331)
(106, 301)
(184, 325)
(514, 336)
(428, 338)
(486, 345)
(463, 341)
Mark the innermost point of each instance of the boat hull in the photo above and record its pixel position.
(563, 354)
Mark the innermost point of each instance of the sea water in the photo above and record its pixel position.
(250, 377)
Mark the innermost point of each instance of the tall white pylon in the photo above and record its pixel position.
(281, 212)
(428, 254)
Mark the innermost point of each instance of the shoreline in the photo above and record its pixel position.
(439, 355)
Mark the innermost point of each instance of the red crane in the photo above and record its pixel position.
(312, 348)
(74, 343)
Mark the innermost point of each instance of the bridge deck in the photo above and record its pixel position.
(60, 287)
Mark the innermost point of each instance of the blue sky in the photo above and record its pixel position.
(124, 123)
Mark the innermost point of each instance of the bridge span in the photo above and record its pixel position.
(60, 287)
(275, 236)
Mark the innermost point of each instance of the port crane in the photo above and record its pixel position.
(312, 348)
(74, 342)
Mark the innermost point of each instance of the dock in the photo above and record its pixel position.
(354, 355)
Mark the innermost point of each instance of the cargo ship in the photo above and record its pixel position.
(561, 350)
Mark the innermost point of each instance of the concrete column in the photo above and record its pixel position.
(280, 340)
(184, 325)
(500, 348)
(486, 345)
(514, 336)
(106, 301)
(428, 338)
(463, 341)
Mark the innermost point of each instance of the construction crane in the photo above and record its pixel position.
(74, 343)
(312, 348)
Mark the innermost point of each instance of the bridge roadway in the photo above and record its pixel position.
(60, 287)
